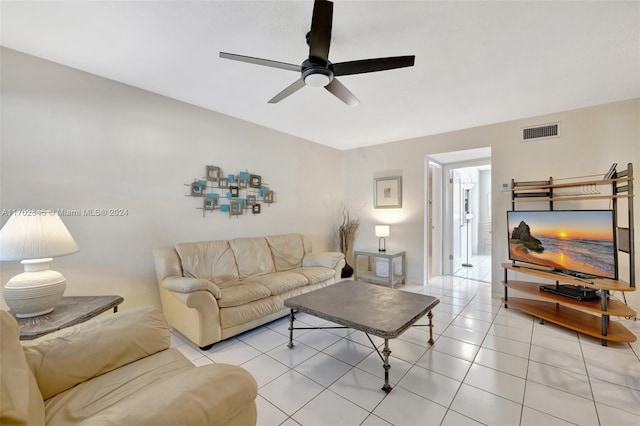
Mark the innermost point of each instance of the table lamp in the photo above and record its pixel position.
(382, 231)
(34, 237)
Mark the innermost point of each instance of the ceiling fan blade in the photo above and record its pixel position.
(259, 61)
(342, 93)
(292, 88)
(372, 65)
(320, 35)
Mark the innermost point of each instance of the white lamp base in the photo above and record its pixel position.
(36, 291)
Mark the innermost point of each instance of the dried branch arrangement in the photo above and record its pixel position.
(347, 232)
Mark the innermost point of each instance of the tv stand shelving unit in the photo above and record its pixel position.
(591, 318)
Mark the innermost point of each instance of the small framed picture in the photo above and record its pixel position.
(223, 182)
(197, 189)
(244, 175)
(235, 208)
(268, 196)
(213, 173)
(387, 193)
(234, 191)
(255, 209)
(243, 182)
(251, 200)
(210, 203)
(255, 181)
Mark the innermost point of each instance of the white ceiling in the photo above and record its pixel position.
(477, 62)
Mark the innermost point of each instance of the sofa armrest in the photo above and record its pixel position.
(73, 355)
(329, 259)
(188, 285)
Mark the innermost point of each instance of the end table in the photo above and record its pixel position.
(391, 277)
(70, 311)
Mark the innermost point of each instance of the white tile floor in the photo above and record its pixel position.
(489, 365)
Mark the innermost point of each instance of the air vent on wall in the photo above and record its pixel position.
(544, 131)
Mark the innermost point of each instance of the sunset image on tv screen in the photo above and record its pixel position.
(575, 240)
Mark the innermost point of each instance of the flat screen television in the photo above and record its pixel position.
(581, 243)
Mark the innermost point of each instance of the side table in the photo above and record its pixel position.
(70, 311)
(391, 275)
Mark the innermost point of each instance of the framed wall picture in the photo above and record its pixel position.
(213, 173)
(255, 181)
(198, 188)
(210, 203)
(235, 208)
(387, 193)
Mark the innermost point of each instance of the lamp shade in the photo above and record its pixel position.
(382, 230)
(35, 236)
(468, 185)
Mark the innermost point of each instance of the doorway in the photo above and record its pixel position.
(458, 215)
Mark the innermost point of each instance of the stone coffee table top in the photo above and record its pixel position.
(380, 311)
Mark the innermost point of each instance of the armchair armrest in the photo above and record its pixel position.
(188, 285)
(211, 394)
(73, 355)
(329, 259)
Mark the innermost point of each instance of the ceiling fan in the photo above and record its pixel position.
(317, 70)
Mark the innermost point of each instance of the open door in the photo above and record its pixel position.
(433, 223)
(448, 224)
(457, 215)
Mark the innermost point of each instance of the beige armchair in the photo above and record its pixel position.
(116, 370)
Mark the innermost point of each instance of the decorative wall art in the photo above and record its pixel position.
(387, 193)
(235, 194)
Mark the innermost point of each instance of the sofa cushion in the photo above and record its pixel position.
(210, 260)
(287, 251)
(281, 282)
(316, 274)
(253, 256)
(239, 292)
(242, 314)
(20, 399)
(106, 343)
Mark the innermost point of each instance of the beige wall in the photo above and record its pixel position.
(592, 139)
(71, 140)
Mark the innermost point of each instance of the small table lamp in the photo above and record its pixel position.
(34, 237)
(382, 231)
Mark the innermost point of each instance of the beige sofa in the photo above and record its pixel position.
(213, 290)
(116, 370)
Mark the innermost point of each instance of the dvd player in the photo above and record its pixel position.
(583, 294)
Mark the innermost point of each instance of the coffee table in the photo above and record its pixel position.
(379, 311)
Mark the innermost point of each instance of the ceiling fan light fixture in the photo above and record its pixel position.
(317, 80)
(317, 70)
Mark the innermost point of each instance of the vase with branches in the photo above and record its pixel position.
(346, 235)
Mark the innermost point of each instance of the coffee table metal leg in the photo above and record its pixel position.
(291, 319)
(430, 315)
(386, 352)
